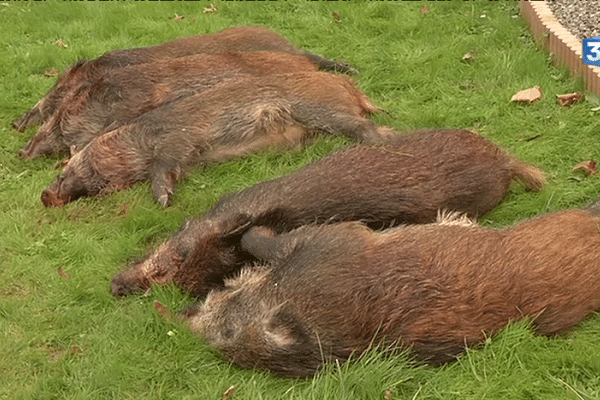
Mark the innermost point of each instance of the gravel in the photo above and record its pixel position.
(580, 17)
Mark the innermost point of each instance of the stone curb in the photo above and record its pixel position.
(564, 47)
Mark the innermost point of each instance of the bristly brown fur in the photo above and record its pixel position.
(404, 181)
(435, 288)
(85, 73)
(247, 114)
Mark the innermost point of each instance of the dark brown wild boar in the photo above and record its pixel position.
(332, 291)
(231, 120)
(235, 39)
(405, 181)
(123, 94)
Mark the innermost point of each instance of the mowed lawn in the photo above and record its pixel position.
(64, 336)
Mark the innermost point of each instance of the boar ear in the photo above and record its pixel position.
(231, 231)
(284, 330)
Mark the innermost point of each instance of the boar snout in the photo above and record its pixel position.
(121, 286)
(64, 190)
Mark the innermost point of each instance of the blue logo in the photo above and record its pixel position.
(591, 51)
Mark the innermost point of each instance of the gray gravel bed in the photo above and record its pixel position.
(580, 17)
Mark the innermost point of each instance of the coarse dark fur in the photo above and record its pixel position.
(405, 181)
(235, 39)
(234, 119)
(122, 94)
(332, 291)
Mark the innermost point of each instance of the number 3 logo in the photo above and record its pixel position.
(591, 51)
(594, 48)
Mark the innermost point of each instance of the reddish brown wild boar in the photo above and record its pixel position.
(125, 93)
(231, 120)
(405, 181)
(235, 39)
(331, 291)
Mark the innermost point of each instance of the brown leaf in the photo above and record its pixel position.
(589, 167)
(178, 17)
(211, 9)
(164, 312)
(51, 72)
(566, 100)
(425, 10)
(528, 95)
(63, 274)
(229, 392)
(336, 16)
(124, 210)
(62, 44)
(388, 394)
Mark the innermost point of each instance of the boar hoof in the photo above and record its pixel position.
(164, 200)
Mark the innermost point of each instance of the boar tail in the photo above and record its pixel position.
(532, 177)
(330, 65)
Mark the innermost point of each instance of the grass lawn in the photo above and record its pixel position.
(63, 335)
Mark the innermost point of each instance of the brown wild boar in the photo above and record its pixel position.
(123, 94)
(405, 181)
(235, 39)
(231, 120)
(331, 291)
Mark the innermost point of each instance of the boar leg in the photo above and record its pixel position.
(265, 245)
(330, 65)
(164, 176)
(261, 242)
(318, 117)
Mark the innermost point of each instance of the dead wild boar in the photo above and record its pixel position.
(404, 181)
(235, 39)
(122, 94)
(332, 291)
(231, 120)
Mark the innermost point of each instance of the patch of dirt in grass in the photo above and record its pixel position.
(56, 353)
(14, 290)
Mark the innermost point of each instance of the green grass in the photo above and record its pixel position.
(68, 338)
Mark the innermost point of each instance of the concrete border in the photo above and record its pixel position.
(565, 48)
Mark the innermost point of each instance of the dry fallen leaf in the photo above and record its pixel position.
(469, 56)
(229, 392)
(388, 394)
(178, 17)
(62, 273)
(51, 72)
(62, 44)
(528, 95)
(124, 209)
(589, 167)
(566, 100)
(425, 10)
(336, 16)
(164, 312)
(211, 9)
